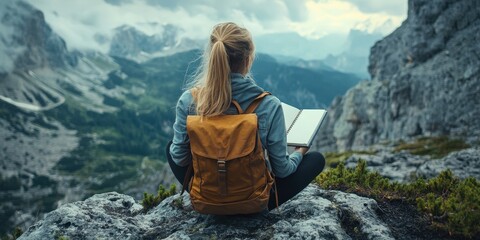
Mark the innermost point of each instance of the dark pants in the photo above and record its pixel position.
(311, 165)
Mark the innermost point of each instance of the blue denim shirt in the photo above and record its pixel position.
(270, 119)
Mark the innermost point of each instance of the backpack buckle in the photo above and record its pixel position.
(221, 166)
(222, 176)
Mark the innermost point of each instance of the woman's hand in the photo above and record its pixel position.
(302, 150)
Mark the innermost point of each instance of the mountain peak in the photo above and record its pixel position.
(134, 44)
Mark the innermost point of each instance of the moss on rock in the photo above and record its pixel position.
(436, 147)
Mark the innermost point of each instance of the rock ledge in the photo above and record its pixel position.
(313, 214)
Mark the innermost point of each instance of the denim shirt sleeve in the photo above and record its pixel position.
(180, 148)
(282, 163)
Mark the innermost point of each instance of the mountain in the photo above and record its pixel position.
(315, 65)
(62, 131)
(293, 45)
(131, 43)
(354, 59)
(425, 82)
(27, 42)
(344, 53)
(304, 87)
(73, 123)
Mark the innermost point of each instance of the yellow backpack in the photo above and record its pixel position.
(230, 172)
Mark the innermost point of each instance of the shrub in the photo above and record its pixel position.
(334, 158)
(16, 233)
(150, 201)
(457, 206)
(451, 203)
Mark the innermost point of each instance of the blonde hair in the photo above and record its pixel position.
(228, 51)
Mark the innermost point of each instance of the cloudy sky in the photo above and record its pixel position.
(80, 22)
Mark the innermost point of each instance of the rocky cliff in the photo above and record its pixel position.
(27, 41)
(425, 81)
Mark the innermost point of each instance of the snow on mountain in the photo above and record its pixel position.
(131, 43)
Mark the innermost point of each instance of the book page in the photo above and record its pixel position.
(305, 127)
(290, 113)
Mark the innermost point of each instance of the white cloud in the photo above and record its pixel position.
(396, 8)
(337, 16)
(80, 22)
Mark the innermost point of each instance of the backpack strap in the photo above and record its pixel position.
(237, 106)
(250, 109)
(256, 102)
(188, 177)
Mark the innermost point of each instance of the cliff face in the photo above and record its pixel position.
(425, 81)
(28, 41)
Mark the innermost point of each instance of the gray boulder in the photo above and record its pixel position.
(465, 163)
(405, 167)
(313, 214)
(399, 167)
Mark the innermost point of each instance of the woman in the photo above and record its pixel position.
(223, 77)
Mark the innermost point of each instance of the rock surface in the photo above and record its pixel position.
(463, 164)
(404, 166)
(399, 167)
(313, 214)
(425, 81)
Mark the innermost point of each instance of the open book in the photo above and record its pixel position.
(302, 125)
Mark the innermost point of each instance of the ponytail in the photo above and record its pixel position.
(215, 97)
(230, 46)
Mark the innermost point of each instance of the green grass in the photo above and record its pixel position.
(436, 147)
(452, 204)
(150, 201)
(334, 158)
